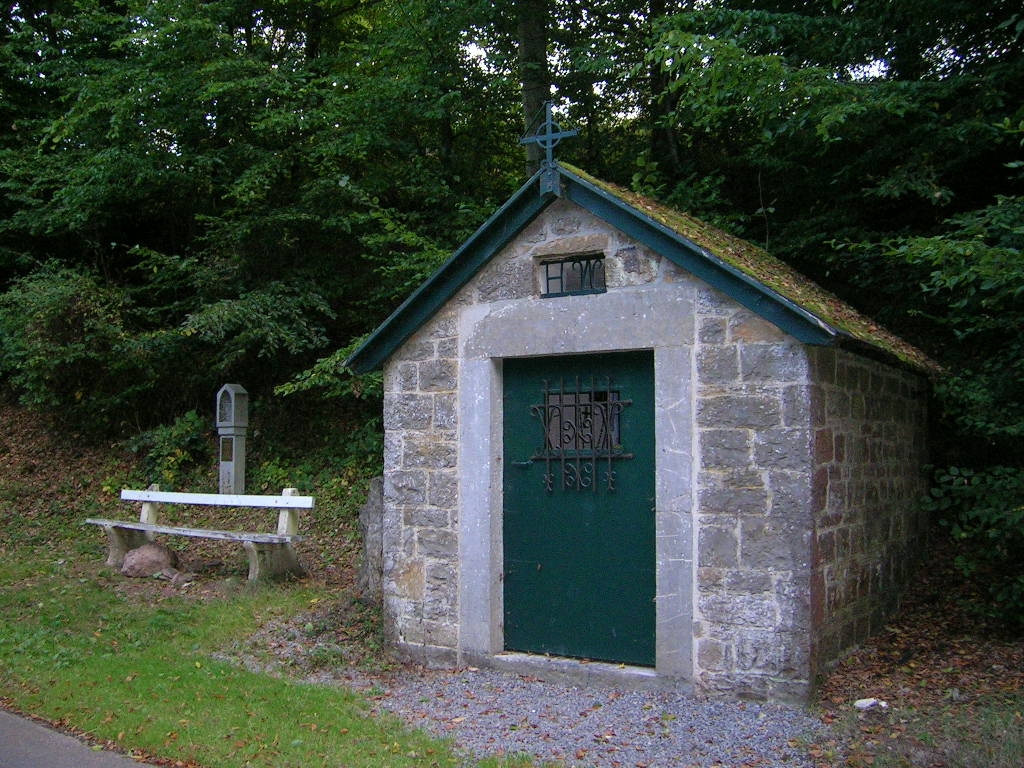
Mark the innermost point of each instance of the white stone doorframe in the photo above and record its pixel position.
(489, 333)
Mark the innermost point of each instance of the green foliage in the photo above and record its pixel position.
(332, 379)
(329, 451)
(827, 120)
(968, 310)
(984, 511)
(171, 452)
(254, 184)
(64, 346)
(261, 323)
(974, 288)
(87, 354)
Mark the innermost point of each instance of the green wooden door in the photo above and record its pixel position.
(579, 567)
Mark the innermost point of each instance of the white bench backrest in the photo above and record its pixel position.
(220, 499)
(287, 519)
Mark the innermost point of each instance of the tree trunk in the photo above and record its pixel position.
(532, 27)
(663, 144)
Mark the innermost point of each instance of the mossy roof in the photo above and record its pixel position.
(773, 273)
(738, 268)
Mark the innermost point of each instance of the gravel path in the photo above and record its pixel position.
(495, 712)
(490, 712)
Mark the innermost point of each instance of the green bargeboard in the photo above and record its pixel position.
(579, 562)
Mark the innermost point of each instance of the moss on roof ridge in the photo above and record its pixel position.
(771, 272)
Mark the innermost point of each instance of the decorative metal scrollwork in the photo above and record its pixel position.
(580, 435)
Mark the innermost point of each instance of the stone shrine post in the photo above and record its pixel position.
(232, 425)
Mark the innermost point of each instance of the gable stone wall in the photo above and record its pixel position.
(442, 383)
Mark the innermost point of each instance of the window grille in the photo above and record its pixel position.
(581, 436)
(572, 276)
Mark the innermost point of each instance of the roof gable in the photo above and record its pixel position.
(737, 268)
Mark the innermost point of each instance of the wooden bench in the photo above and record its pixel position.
(270, 554)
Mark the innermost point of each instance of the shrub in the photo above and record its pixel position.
(62, 347)
(172, 451)
(101, 361)
(984, 512)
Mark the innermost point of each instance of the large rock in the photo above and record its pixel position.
(149, 560)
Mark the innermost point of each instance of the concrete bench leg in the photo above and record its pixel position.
(270, 561)
(121, 540)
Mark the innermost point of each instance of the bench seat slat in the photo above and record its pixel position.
(219, 499)
(204, 533)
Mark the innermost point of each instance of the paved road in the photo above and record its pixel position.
(27, 744)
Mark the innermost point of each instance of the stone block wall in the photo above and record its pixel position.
(869, 452)
(753, 507)
(421, 490)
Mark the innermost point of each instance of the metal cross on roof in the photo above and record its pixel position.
(547, 134)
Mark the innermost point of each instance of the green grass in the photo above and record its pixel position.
(987, 732)
(141, 676)
(1001, 727)
(133, 668)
